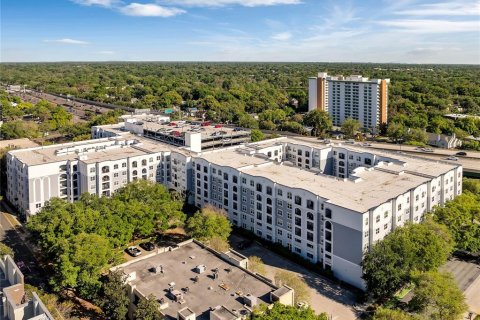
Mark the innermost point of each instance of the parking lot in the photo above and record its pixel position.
(467, 276)
(325, 295)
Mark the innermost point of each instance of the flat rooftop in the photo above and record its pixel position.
(17, 143)
(371, 188)
(233, 158)
(178, 266)
(94, 150)
(207, 131)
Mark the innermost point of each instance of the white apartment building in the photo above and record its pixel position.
(327, 203)
(357, 97)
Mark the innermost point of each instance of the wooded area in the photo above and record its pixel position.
(277, 92)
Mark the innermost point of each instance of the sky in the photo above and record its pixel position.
(400, 31)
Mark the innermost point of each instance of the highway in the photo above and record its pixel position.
(470, 163)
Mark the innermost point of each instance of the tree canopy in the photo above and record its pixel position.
(208, 223)
(437, 296)
(388, 265)
(462, 217)
(280, 311)
(79, 237)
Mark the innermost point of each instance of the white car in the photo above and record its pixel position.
(452, 158)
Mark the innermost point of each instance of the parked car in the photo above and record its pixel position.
(461, 153)
(134, 251)
(427, 149)
(244, 244)
(148, 246)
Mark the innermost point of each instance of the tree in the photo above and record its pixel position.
(461, 217)
(389, 263)
(219, 244)
(417, 135)
(147, 309)
(19, 129)
(396, 131)
(257, 135)
(280, 311)
(437, 296)
(390, 314)
(302, 293)
(80, 263)
(114, 298)
(79, 238)
(255, 264)
(319, 120)
(4, 250)
(208, 223)
(350, 127)
(472, 185)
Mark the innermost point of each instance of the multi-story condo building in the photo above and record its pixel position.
(16, 303)
(354, 97)
(327, 203)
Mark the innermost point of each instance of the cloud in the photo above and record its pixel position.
(149, 10)
(282, 36)
(458, 8)
(102, 3)
(67, 41)
(106, 52)
(433, 26)
(223, 3)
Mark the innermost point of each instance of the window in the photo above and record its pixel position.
(310, 225)
(399, 207)
(377, 231)
(298, 200)
(298, 221)
(269, 191)
(298, 232)
(134, 164)
(328, 213)
(235, 179)
(298, 212)
(309, 236)
(385, 214)
(289, 195)
(279, 232)
(279, 192)
(377, 219)
(309, 204)
(385, 226)
(259, 187)
(328, 225)
(368, 161)
(310, 216)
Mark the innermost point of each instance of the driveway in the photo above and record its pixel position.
(325, 295)
(467, 276)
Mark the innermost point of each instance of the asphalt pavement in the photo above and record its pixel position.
(13, 235)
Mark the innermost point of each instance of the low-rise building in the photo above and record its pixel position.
(443, 140)
(16, 304)
(191, 281)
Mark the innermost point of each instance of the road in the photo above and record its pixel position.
(77, 109)
(325, 295)
(470, 163)
(13, 235)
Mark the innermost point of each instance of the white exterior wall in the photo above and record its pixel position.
(312, 94)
